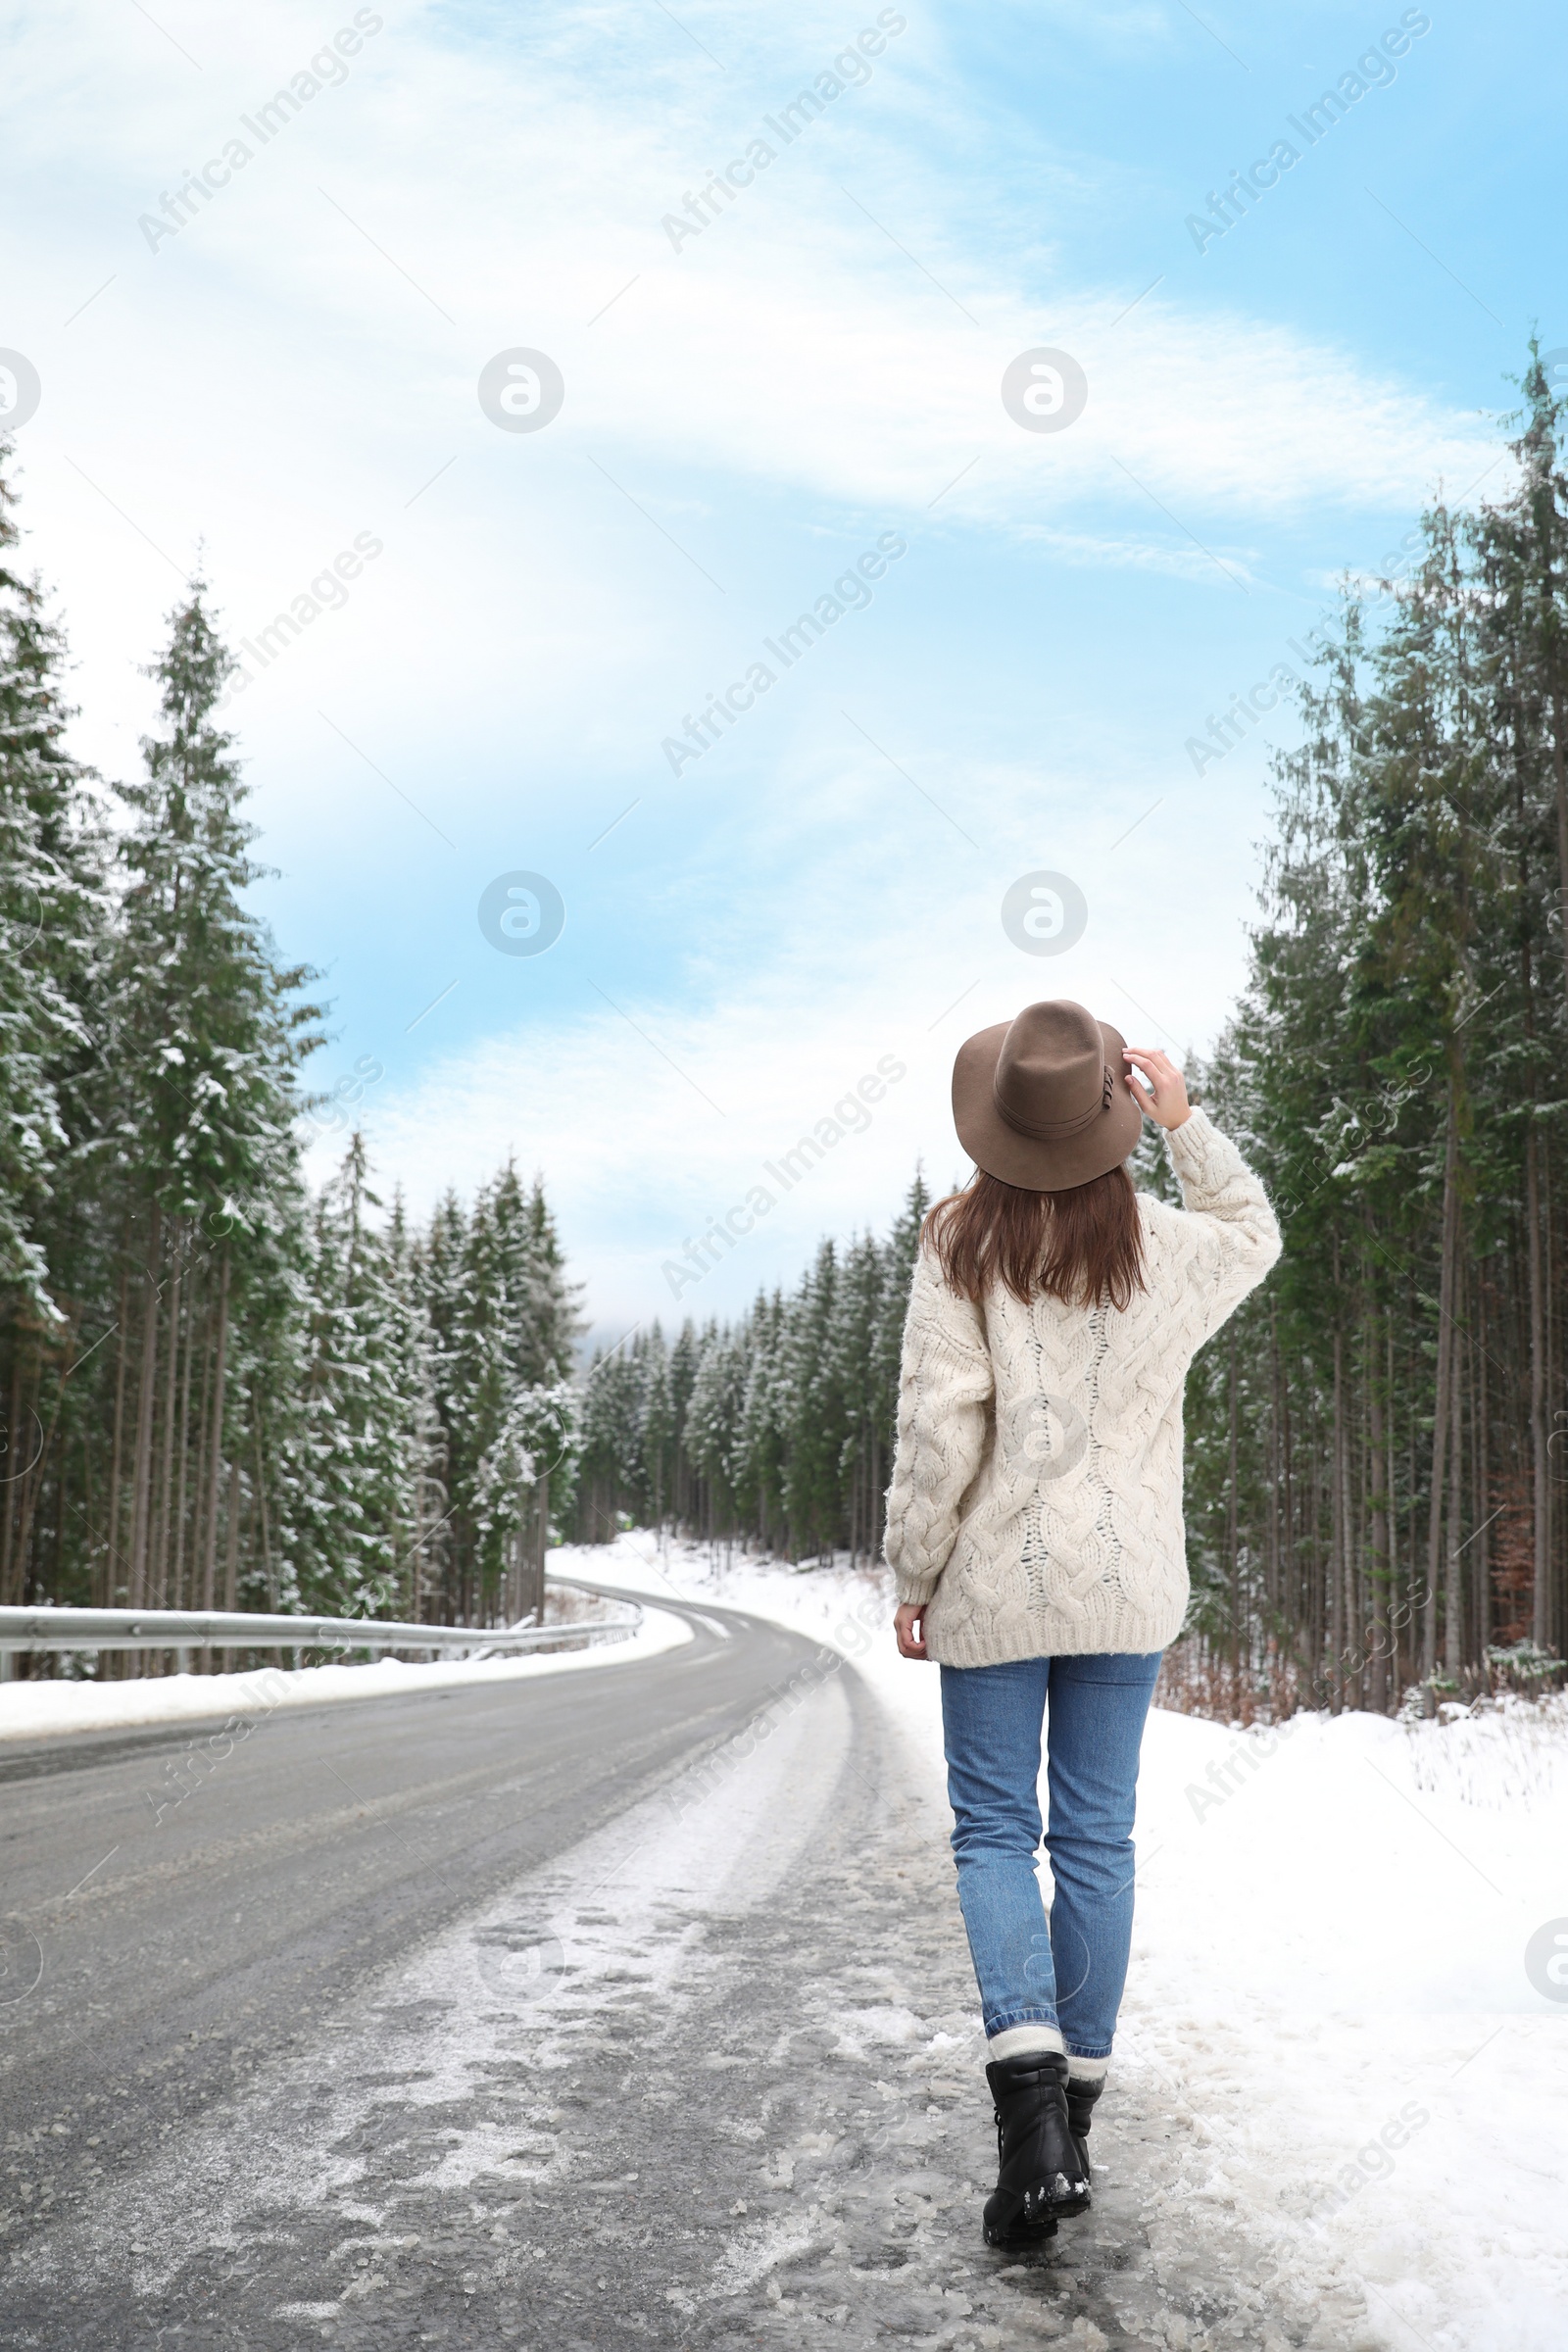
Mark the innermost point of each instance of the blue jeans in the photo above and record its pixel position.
(1070, 1972)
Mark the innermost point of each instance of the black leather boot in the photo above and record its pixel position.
(1040, 2175)
(1081, 2098)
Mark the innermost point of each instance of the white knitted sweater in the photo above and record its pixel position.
(1036, 1503)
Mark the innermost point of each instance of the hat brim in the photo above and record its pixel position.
(1033, 1164)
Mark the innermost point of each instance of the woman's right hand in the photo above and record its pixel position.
(1165, 1096)
(908, 1624)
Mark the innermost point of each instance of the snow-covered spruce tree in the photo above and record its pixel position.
(1373, 1492)
(196, 1098)
(52, 924)
(503, 1319)
(612, 1485)
(713, 1421)
(816, 1427)
(658, 1423)
(778, 1429)
(762, 1437)
(356, 1462)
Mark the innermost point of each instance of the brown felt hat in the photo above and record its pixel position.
(1042, 1101)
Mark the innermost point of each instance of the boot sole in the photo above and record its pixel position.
(1018, 2240)
(1032, 2217)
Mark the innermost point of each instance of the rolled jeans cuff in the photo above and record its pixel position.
(1017, 2042)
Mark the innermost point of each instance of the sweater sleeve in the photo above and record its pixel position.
(945, 1385)
(1235, 1237)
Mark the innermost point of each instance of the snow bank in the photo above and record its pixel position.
(1340, 1973)
(39, 1710)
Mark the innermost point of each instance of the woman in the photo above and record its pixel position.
(1035, 1529)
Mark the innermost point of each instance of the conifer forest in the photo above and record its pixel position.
(222, 1389)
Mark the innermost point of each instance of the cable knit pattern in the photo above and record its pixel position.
(1036, 1503)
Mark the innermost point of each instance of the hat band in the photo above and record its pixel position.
(1051, 1130)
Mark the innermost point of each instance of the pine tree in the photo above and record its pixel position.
(196, 1094)
(53, 913)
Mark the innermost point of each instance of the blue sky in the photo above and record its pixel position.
(747, 411)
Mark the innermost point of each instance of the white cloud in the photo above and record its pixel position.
(646, 1131)
(787, 385)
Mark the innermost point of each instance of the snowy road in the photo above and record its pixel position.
(628, 2009)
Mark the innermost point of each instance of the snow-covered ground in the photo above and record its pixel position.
(37, 1710)
(1339, 1983)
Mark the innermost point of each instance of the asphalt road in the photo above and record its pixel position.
(178, 1937)
(623, 2008)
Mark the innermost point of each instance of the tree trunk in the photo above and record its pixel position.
(1483, 1483)
(183, 1497)
(199, 1456)
(163, 1495)
(146, 1391)
(216, 1458)
(542, 1541)
(13, 1447)
(1544, 1614)
(1559, 777)
(1540, 1508)
(1480, 1484)
(267, 1539)
(1377, 1451)
(1445, 1380)
(112, 1562)
(1339, 1546)
(1454, 1584)
(232, 1565)
(1233, 1533)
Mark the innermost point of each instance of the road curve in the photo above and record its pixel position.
(618, 2009)
(176, 1937)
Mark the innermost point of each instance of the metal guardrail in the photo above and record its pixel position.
(185, 1630)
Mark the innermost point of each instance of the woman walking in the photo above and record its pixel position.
(1035, 1529)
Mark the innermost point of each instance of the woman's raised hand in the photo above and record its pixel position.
(1164, 1095)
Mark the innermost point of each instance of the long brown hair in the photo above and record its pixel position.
(1084, 1246)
